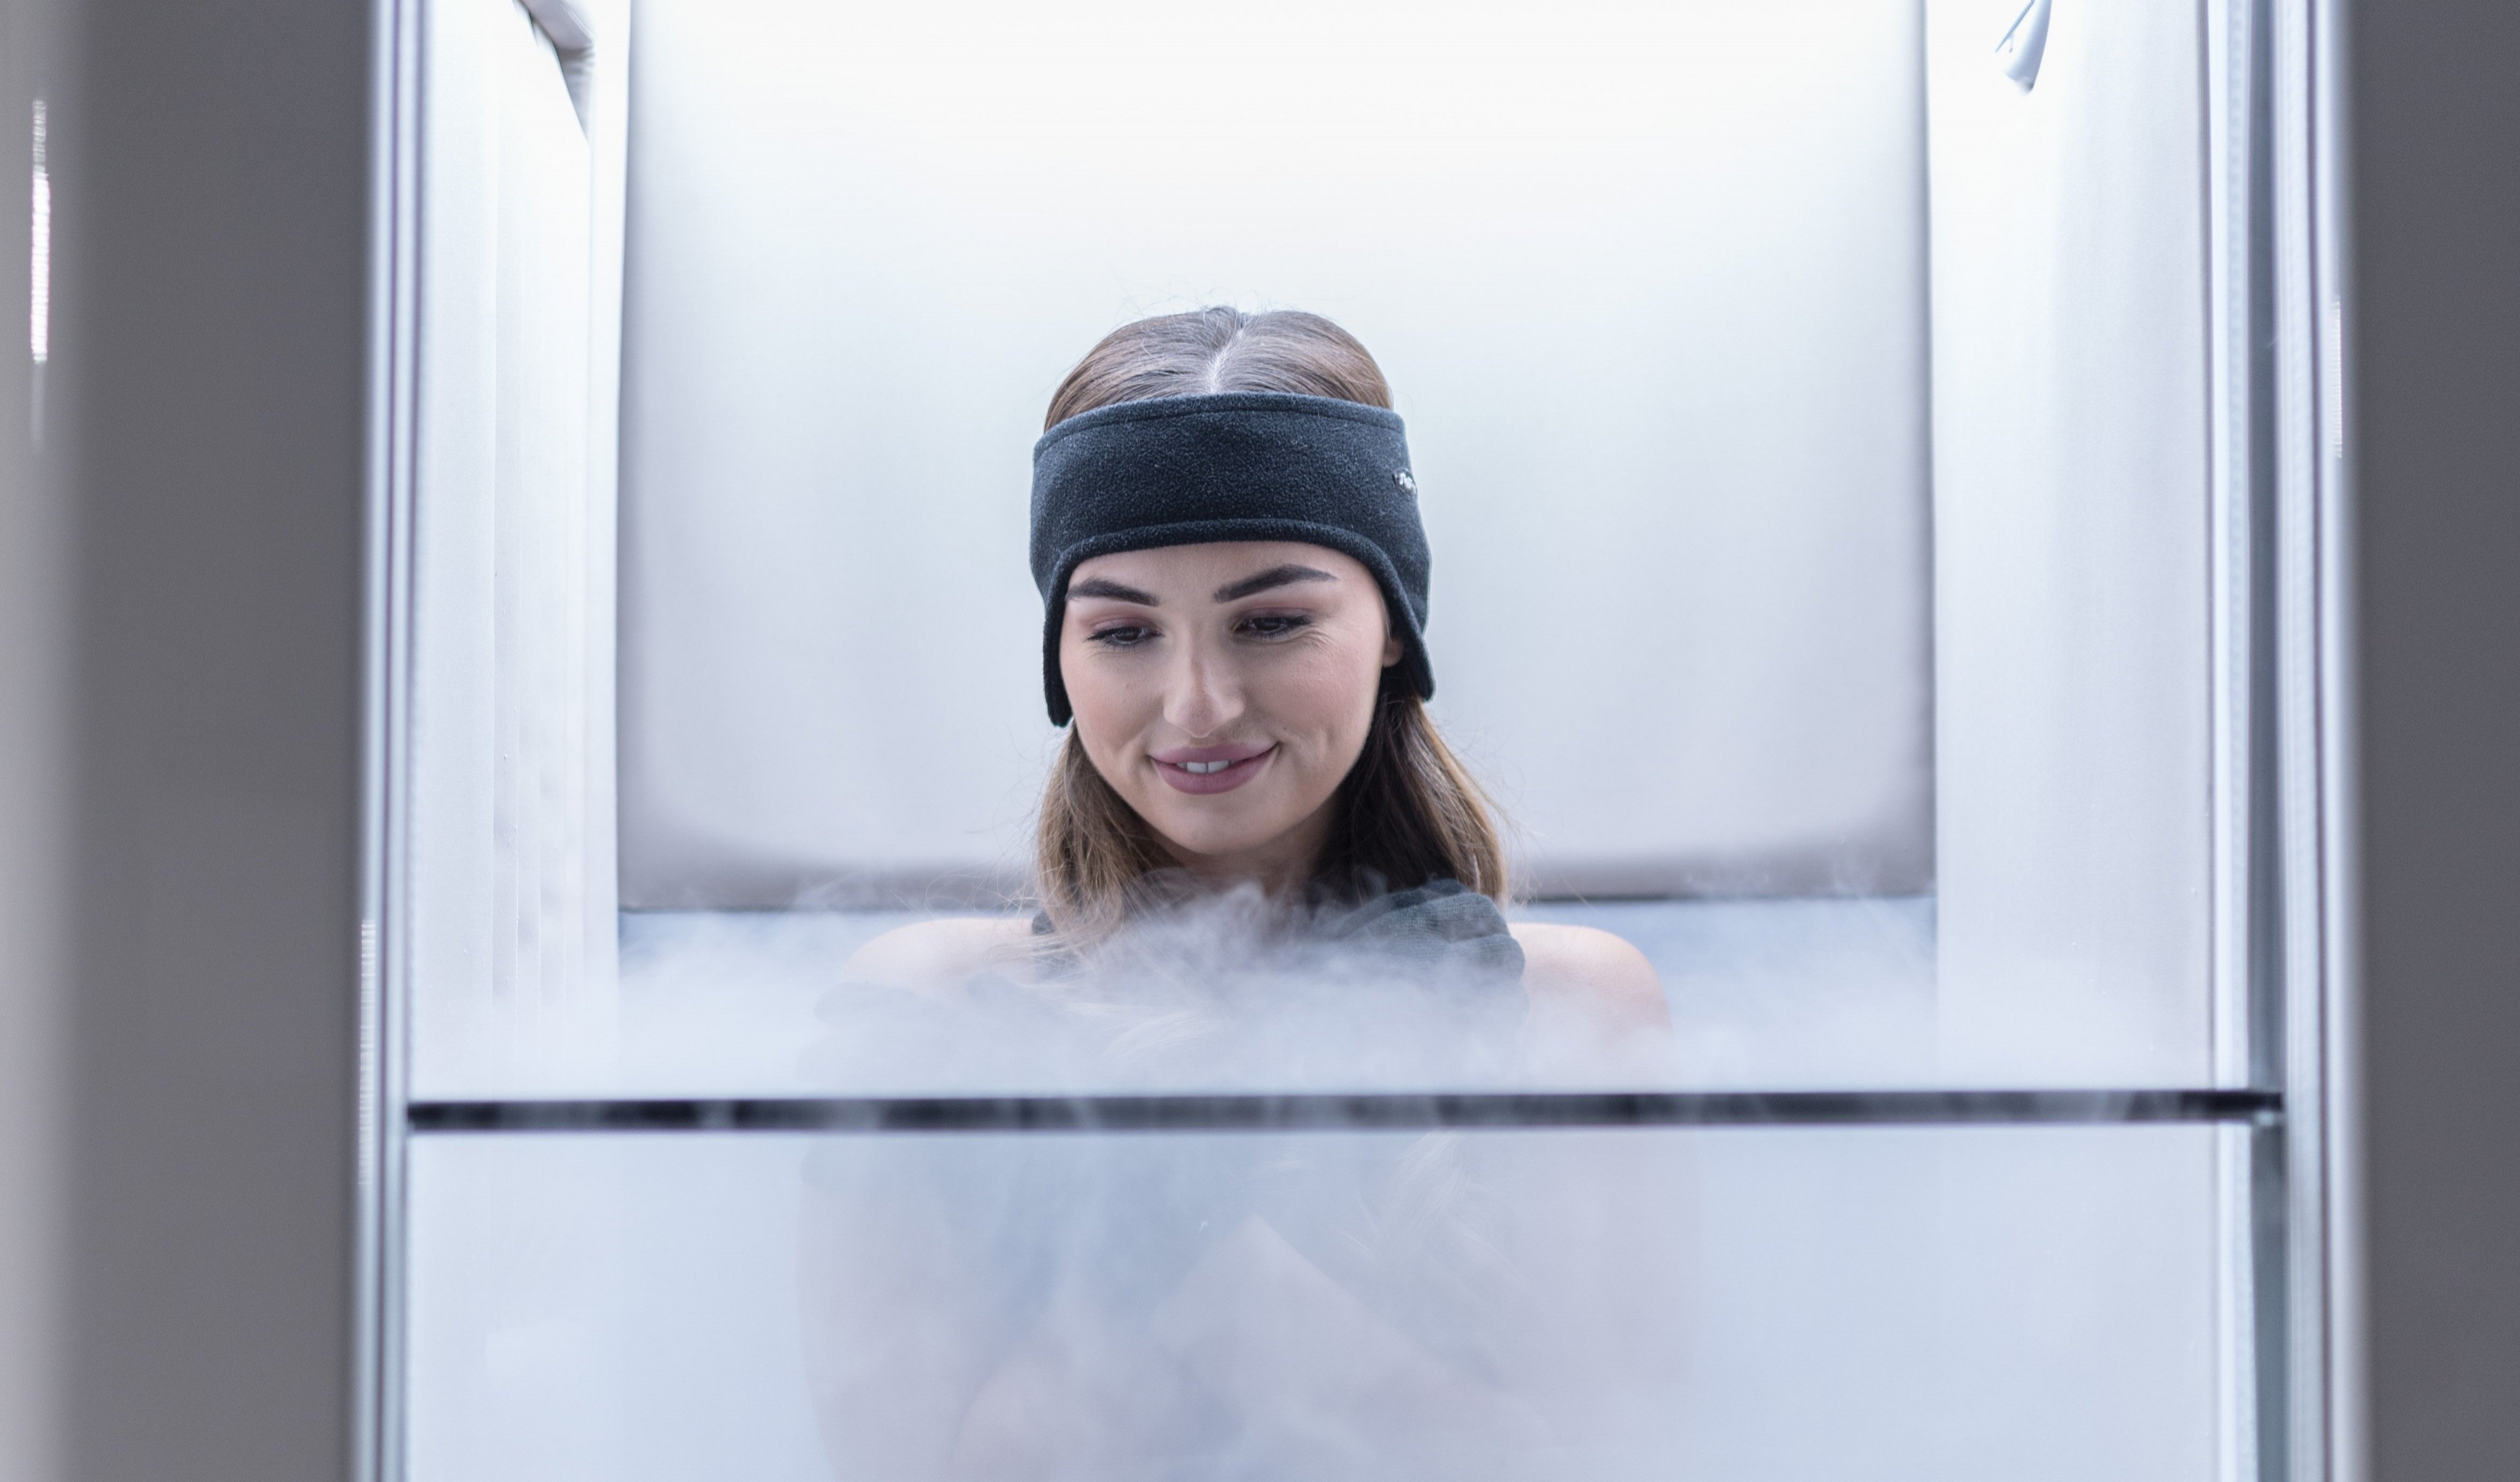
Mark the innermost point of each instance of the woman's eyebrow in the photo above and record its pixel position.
(1098, 587)
(1275, 576)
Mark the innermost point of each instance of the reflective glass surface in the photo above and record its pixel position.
(1743, 1303)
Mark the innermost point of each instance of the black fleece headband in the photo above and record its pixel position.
(1183, 470)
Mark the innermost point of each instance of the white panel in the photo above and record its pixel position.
(2071, 540)
(540, 439)
(600, 86)
(454, 729)
(1647, 280)
(1873, 1305)
(512, 868)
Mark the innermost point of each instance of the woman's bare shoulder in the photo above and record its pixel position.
(940, 955)
(1591, 972)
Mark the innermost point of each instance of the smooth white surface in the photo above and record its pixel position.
(1879, 1304)
(512, 867)
(1647, 280)
(2072, 531)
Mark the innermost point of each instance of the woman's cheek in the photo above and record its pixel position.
(1342, 696)
(1106, 696)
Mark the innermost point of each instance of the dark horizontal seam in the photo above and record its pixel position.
(1369, 1111)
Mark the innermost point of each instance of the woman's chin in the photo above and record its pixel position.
(1212, 839)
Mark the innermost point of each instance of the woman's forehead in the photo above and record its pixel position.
(1204, 569)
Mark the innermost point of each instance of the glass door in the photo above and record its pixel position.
(1851, 437)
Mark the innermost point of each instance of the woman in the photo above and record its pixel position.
(1226, 536)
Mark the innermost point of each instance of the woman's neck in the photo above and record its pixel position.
(1282, 866)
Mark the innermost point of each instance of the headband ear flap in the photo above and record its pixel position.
(1054, 681)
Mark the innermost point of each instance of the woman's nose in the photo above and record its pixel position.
(1203, 696)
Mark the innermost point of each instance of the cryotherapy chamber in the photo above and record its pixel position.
(1858, 441)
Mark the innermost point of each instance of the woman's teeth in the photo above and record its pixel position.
(1204, 768)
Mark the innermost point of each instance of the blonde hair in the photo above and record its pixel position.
(1407, 811)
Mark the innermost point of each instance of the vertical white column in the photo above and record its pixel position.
(512, 777)
(454, 735)
(2073, 717)
(601, 86)
(539, 255)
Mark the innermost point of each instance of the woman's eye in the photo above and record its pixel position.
(1274, 624)
(1124, 636)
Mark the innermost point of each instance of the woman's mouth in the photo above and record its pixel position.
(1210, 769)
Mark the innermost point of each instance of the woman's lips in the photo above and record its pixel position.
(1210, 769)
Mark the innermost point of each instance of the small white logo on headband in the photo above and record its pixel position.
(1408, 482)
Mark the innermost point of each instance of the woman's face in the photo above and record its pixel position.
(1224, 690)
